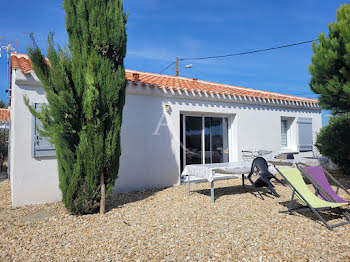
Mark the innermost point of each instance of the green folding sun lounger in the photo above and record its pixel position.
(312, 203)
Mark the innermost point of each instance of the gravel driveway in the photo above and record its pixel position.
(168, 225)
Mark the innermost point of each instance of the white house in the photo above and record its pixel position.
(168, 122)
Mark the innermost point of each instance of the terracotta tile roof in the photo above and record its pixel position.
(22, 62)
(4, 115)
(182, 83)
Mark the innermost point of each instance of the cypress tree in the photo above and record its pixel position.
(85, 87)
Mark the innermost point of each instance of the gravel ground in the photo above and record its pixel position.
(168, 225)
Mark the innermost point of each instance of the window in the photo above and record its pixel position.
(288, 133)
(284, 132)
(41, 147)
(204, 139)
(296, 135)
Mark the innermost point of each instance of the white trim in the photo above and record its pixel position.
(210, 96)
(292, 135)
(230, 132)
(183, 142)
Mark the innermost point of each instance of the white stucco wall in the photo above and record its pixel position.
(33, 180)
(150, 137)
(149, 158)
(157, 158)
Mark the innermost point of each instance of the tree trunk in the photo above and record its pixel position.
(103, 194)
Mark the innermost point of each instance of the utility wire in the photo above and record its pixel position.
(238, 54)
(167, 67)
(249, 52)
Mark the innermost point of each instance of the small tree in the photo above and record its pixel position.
(85, 88)
(330, 77)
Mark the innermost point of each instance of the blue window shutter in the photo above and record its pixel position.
(41, 147)
(305, 134)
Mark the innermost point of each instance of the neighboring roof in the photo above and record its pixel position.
(4, 115)
(22, 62)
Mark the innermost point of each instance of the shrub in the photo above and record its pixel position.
(333, 141)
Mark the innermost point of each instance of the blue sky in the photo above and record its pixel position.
(159, 30)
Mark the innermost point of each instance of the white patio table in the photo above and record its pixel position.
(210, 172)
(218, 171)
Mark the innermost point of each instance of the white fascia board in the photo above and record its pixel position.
(210, 96)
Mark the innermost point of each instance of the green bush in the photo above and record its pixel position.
(333, 141)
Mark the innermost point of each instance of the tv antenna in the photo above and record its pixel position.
(9, 48)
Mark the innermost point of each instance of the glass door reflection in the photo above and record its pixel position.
(204, 139)
(216, 140)
(193, 140)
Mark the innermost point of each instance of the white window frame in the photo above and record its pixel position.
(291, 134)
(287, 133)
(203, 115)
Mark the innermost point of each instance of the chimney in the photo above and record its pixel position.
(136, 76)
(195, 79)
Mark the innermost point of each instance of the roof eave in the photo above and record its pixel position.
(139, 88)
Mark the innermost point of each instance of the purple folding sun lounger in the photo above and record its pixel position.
(317, 174)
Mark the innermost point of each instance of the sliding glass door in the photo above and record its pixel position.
(204, 139)
(216, 139)
(193, 141)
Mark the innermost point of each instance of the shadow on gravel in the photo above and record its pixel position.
(343, 179)
(117, 200)
(232, 190)
(328, 215)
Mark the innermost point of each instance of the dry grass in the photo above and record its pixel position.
(168, 225)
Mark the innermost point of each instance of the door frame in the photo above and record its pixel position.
(230, 128)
